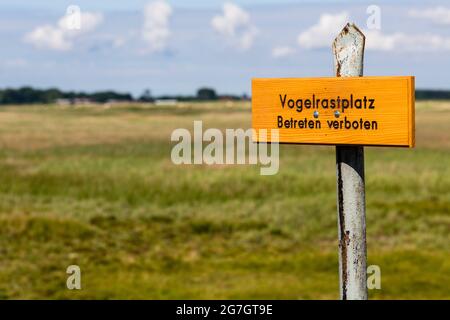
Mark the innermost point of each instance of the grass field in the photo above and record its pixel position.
(95, 186)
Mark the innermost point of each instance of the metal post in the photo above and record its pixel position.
(348, 50)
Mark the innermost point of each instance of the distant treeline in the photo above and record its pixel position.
(432, 94)
(28, 95)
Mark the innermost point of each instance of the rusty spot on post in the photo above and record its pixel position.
(338, 70)
(345, 30)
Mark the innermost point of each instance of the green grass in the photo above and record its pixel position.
(96, 187)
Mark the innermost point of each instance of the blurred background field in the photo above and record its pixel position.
(95, 186)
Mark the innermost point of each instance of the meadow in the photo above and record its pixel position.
(95, 186)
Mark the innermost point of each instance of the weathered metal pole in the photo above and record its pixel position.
(348, 49)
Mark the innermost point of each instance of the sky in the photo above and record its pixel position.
(175, 47)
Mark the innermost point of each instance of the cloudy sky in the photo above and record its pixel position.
(175, 46)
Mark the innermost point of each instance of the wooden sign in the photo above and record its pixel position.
(372, 111)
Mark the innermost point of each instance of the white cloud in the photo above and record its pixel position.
(89, 22)
(438, 15)
(235, 24)
(156, 31)
(375, 40)
(323, 33)
(60, 37)
(282, 51)
(48, 37)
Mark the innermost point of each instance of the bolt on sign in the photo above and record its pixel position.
(370, 111)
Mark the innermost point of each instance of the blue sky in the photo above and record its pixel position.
(174, 47)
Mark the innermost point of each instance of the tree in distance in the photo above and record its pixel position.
(206, 94)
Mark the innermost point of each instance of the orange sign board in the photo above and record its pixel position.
(377, 111)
